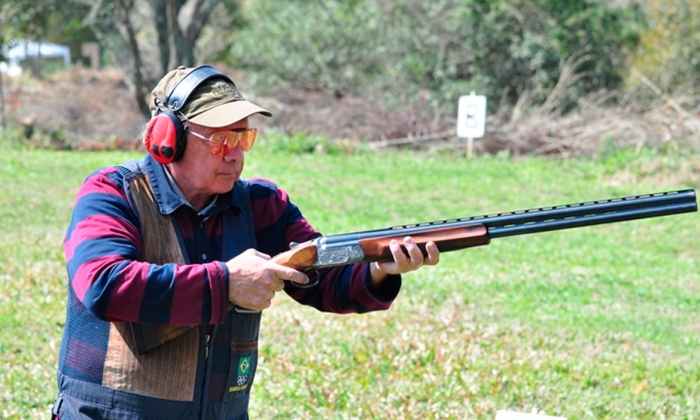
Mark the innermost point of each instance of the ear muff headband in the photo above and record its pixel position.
(165, 137)
(182, 90)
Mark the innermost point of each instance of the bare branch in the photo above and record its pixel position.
(124, 6)
(568, 77)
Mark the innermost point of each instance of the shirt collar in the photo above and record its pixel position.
(169, 197)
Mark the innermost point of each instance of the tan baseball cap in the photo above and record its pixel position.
(214, 103)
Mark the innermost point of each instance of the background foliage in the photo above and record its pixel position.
(412, 49)
(371, 70)
(669, 51)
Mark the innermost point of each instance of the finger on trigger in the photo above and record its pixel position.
(294, 276)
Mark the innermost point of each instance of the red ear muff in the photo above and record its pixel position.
(165, 138)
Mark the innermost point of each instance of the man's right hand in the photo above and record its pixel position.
(254, 279)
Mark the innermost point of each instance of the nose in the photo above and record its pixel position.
(233, 154)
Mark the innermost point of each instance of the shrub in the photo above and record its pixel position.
(412, 50)
(669, 50)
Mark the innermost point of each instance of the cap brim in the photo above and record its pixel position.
(228, 113)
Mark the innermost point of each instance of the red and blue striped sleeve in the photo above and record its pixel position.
(102, 250)
(344, 289)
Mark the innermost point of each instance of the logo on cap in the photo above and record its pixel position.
(221, 89)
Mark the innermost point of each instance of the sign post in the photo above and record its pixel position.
(471, 119)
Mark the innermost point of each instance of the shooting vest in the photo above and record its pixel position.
(165, 372)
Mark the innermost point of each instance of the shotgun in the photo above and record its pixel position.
(450, 235)
(461, 233)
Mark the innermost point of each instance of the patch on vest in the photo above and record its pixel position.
(243, 375)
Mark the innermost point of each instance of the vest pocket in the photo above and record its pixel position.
(244, 362)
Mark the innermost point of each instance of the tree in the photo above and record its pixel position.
(147, 38)
(6, 11)
(669, 50)
(516, 52)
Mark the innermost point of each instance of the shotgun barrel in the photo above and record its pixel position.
(545, 219)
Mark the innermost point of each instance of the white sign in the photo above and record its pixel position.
(471, 116)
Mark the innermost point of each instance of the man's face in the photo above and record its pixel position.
(200, 173)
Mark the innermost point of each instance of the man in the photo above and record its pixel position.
(169, 262)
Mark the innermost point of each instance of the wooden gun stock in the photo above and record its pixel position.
(446, 239)
(300, 258)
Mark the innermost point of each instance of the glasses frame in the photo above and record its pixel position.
(227, 144)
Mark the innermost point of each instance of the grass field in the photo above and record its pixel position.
(593, 323)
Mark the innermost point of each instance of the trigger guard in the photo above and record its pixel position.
(311, 284)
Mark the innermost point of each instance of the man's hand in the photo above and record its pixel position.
(254, 279)
(403, 263)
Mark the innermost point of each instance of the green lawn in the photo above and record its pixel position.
(592, 323)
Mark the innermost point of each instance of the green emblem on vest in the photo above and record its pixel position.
(244, 365)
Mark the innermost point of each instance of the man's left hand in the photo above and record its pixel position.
(404, 263)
